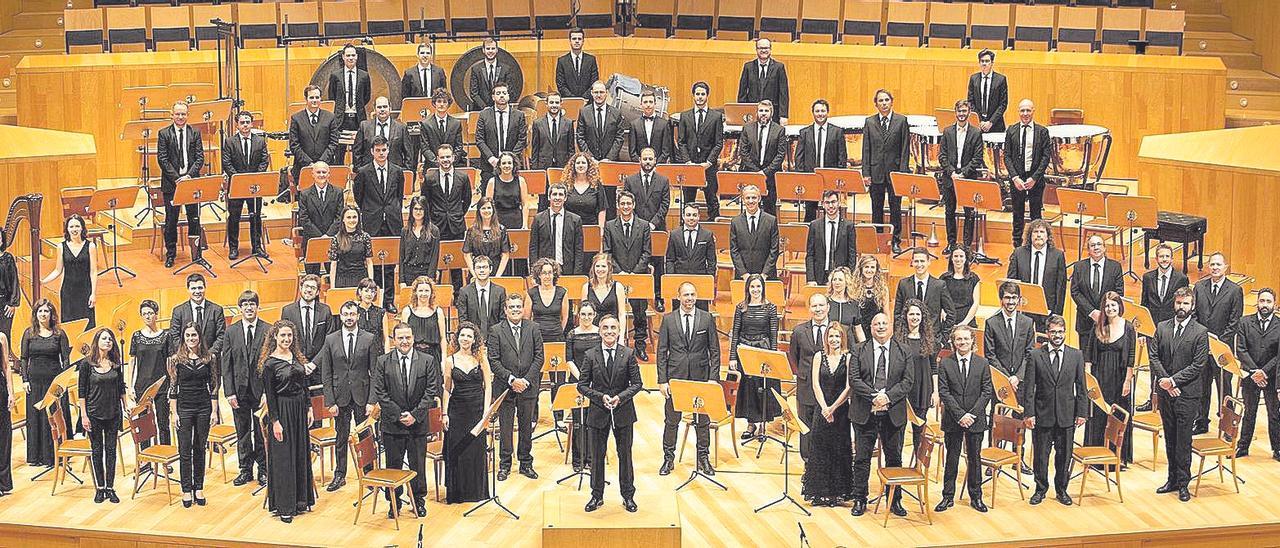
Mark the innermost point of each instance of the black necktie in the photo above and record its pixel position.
(817, 335)
(818, 145)
(182, 142)
(440, 124)
(199, 316)
(382, 130)
(554, 133)
(1215, 289)
(321, 193)
(246, 151)
(986, 91)
(422, 73)
(306, 323)
(689, 236)
(763, 72)
(600, 120)
(697, 123)
(315, 119)
(515, 332)
(557, 232)
(764, 136)
(502, 130)
(920, 290)
(878, 381)
(248, 343)
(1097, 278)
(647, 180)
(382, 179)
(1010, 322)
(1035, 269)
(484, 311)
(964, 368)
(626, 230)
(404, 366)
(351, 88)
(752, 224)
(1057, 361)
(447, 180)
(831, 240)
(688, 327)
(493, 75)
(577, 64)
(608, 360)
(1177, 333)
(1164, 280)
(351, 346)
(884, 123)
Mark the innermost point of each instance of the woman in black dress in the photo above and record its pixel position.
(487, 237)
(45, 353)
(6, 419)
(372, 315)
(193, 391)
(872, 290)
(1110, 358)
(284, 371)
(755, 323)
(962, 284)
(843, 302)
(467, 393)
(921, 346)
(425, 318)
(547, 306)
(583, 337)
(585, 197)
(509, 193)
(102, 401)
(10, 293)
(419, 244)
(351, 252)
(828, 473)
(606, 295)
(149, 348)
(77, 264)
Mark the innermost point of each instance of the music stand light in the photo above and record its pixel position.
(112, 199)
(248, 186)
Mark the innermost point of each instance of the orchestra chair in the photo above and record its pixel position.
(730, 384)
(76, 200)
(862, 22)
(694, 18)
(84, 30)
(931, 430)
(469, 16)
(19, 414)
(1162, 29)
(736, 20)
(1005, 429)
(1077, 29)
(322, 437)
(779, 19)
(64, 449)
(897, 477)
(303, 19)
(340, 18)
(655, 18)
(1149, 421)
(170, 28)
(553, 17)
(1033, 28)
(1098, 3)
(1106, 455)
(425, 16)
(989, 26)
(435, 443)
(369, 475)
(1222, 445)
(161, 458)
(126, 29)
(259, 25)
(386, 17)
(512, 16)
(948, 25)
(221, 437)
(206, 32)
(594, 17)
(820, 21)
(904, 23)
(1119, 27)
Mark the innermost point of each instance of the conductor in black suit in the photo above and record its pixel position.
(930, 290)
(689, 349)
(208, 316)
(242, 386)
(576, 70)
(483, 76)
(879, 383)
(960, 158)
(515, 353)
(424, 77)
(1179, 355)
(763, 78)
(406, 385)
(180, 154)
(318, 208)
(244, 152)
(762, 148)
(650, 130)
(1258, 346)
(830, 243)
(753, 238)
(600, 131)
(964, 387)
(312, 316)
(628, 239)
(1039, 262)
(989, 94)
(1091, 278)
(700, 138)
(440, 129)
(448, 195)
(1219, 305)
(499, 128)
(313, 134)
(346, 359)
(557, 233)
(1057, 404)
(350, 90)
(610, 378)
(886, 144)
(553, 139)
(821, 144)
(1026, 157)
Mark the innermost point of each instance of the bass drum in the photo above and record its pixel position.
(460, 85)
(384, 77)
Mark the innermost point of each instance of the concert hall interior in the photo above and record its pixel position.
(862, 252)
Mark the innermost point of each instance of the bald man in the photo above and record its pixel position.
(399, 151)
(1026, 157)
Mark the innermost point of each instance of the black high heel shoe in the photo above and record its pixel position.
(201, 501)
(186, 502)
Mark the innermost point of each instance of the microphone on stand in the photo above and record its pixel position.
(804, 539)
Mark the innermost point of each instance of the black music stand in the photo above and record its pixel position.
(197, 191)
(698, 398)
(484, 426)
(1080, 203)
(1131, 212)
(916, 187)
(982, 196)
(112, 199)
(248, 186)
(147, 132)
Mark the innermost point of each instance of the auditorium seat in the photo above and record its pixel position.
(1077, 29)
(126, 29)
(259, 25)
(341, 18)
(553, 17)
(779, 19)
(170, 27)
(989, 26)
(206, 33)
(1033, 28)
(388, 16)
(1119, 27)
(1096, 3)
(301, 19)
(904, 23)
(694, 18)
(736, 20)
(83, 30)
(595, 17)
(513, 16)
(862, 22)
(1162, 30)
(468, 16)
(654, 18)
(948, 25)
(820, 21)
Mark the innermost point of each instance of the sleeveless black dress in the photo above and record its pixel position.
(76, 283)
(426, 334)
(608, 305)
(547, 316)
(466, 478)
(1110, 361)
(828, 473)
(506, 202)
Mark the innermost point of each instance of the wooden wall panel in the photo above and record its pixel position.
(47, 177)
(1257, 19)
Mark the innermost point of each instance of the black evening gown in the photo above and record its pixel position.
(351, 263)
(151, 353)
(867, 310)
(289, 484)
(506, 203)
(926, 368)
(848, 314)
(426, 334)
(575, 348)
(44, 359)
(961, 291)
(547, 316)
(76, 284)
(828, 472)
(755, 325)
(372, 320)
(1110, 360)
(608, 305)
(466, 476)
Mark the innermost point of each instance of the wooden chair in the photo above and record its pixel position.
(388, 16)
(512, 16)
(221, 437)
(83, 30)
(1106, 455)
(469, 16)
(340, 18)
(259, 25)
(126, 29)
(323, 437)
(19, 413)
(948, 25)
(1162, 29)
(897, 477)
(207, 33)
(64, 449)
(779, 20)
(1033, 28)
(862, 22)
(694, 18)
(1077, 29)
(655, 18)
(369, 475)
(730, 385)
(76, 200)
(989, 26)
(736, 20)
(170, 27)
(426, 16)
(1005, 429)
(1119, 27)
(1221, 446)
(904, 23)
(1149, 421)
(932, 430)
(435, 444)
(142, 427)
(820, 21)
(595, 17)
(299, 20)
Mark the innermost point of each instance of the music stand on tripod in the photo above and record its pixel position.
(1079, 203)
(553, 353)
(210, 115)
(682, 176)
(249, 186)
(386, 251)
(112, 199)
(698, 398)
(765, 364)
(147, 132)
(983, 197)
(1131, 212)
(730, 184)
(798, 188)
(848, 182)
(483, 426)
(568, 400)
(790, 422)
(196, 192)
(916, 187)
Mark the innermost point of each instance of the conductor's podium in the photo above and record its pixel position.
(656, 525)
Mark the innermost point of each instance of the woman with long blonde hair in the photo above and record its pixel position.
(872, 289)
(842, 298)
(828, 473)
(425, 317)
(468, 382)
(606, 295)
(284, 371)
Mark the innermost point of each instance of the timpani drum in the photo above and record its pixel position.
(852, 125)
(1079, 151)
(926, 149)
(993, 153)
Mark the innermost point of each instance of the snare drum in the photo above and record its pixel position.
(1079, 151)
(926, 148)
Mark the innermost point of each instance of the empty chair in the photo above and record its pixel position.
(468, 16)
(820, 21)
(385, 17)
(779, 19)
(736, 20)
(595, 17)
(989, 26)
(1077, 29)
(301, 20)
(126, 29)
(1119, 27)
(341, 18)
(948, 25)
(259, 25)
(904, 23)
(655, 18)
(206, 32)
(1099, 3)
(862, 22)
(512, 16)
(83, 30)
(694, 17)
(553, 17)
(426, 16)
(1162, 30)
(1033, 28)
(170, 28)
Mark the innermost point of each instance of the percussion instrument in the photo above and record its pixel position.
(852, 136)
(625, 91)
(926, 149)
(993, 147)
(1077, 150)
(922, 120)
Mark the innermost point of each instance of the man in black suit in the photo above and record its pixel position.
(180, 154)
(807, 340)
(700, 139)
(515, 354)
(481, 301)
(1040, 263)
(486, 74)
(628, 239)
(1091, 278)
(1009, 335)
(440, 129)
(964, 388)
(928, 289)
(399, 145)
(831, 242)
(350, 90)
(379, 193)
(753, 238)
(1158, 287)
(424, 77)
(552, 141)
(886, 144)
(499, 128)
(1179, 355)
(406, 383)
(610, 379)
(448, 195)
(318, 208)
(313, 134)
(242, 386)
(576, 70)
(557, 233)
(960, 158)
(691, 248)
(1026, 157)
(989, 94)
(311, 316)
(820, 145)
(689, 349)
(650, 130)
(244, 152)
(1219, 305)
(1056, 404)
(600, 131)
(762, 148)
(879, 382)
(346, 359)
(651, 192)
(208, 316)
(1258, 346)
(763, 78)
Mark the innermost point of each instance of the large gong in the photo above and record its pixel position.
(384, 77)
(460, 85)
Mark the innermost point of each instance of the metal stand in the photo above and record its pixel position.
(66, 468)
(255, 257)
(197, 257)
(493, 481)
(786, 483)
(115, 253)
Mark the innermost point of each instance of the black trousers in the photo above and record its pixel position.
(342, 426)
(626, 472)
(6, 445)
(1177, 415)
(770, 200)
(806, 416)
(1020, 199)
(525, 410)
(610, 202)
(1058, 441)
(972, 442)
(192, 211)
(6, 322)
(877, 427)
(880, 192)
(193, 438)
(410, 449)
(1209, 377)
(710, 193)
(970, 216)
(103, 435)
(671, 424)
(386, 278)
(1251, 393)
(234, 210)
(249, 448)
(639, 307)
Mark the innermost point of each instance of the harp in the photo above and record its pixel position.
(25, 208)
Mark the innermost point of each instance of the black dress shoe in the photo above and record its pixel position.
(528, 472)
(704, 466)
(1275, 455)
(1184, 494)
(1242, 452)
(657, 304)
(1027, 471)
(668, 464)
(630, 505)
(234, 254)
(1166, 488)
(262, 478)
(286, 519)
(1143, 408)
(186, 504)
(577, 467)
(99, 496)
(943, 505)
(337, 483)
(391, 513)
(1065, 499)
(859, 507)
(168, 262)
(420, 507)
(978, 505)
(1037, 498)
(642, 355)
(261, 253)
(201, 501)
(593, 505)
(243, 478)
(503, 474)
(897, 510)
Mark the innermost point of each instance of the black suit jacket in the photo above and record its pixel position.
(389, 391)
(321, 325)
(1055, 398)
(602, 143)
(1161, 309)
(800, 354)
(542, 240)
(997, 95)
(381, 206)
(510, 363)
(970, 156)
(701, 259)
(481, 88)
(659, 139)
(936, 298)
(653, 205)
(754, 253)
(487, 135)
(1053, 273)
(1219, 314)
(547, 150)
(234, 160)
(1008, 351)
(1040, 149)
(313, 143)
(703, 145)
(598, 381)
(835, 152)
(467, 303)
(346, 378)
(885, 152)
(411, 84)
(1259, 349)
(961, 395)
(169, 157)
(338, 92)
(774, 86)
(845, 250)
(576, 83)
(211, 329)
(448, 212)
(1086, 297)
(1184, 360)
(399, 145)
(897, 385)
(630, 255)
(239, 363)
(430, 139)
(775, 149)
(696, 358)
(319, 217)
